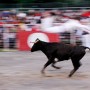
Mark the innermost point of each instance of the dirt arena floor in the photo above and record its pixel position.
(21, 71)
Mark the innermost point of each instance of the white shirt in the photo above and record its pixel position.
(47, 22)
(70, 25)
(76, 25)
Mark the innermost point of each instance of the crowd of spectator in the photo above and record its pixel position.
(13, 20)
(10, 17)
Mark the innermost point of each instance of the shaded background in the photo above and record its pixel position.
(43, 3)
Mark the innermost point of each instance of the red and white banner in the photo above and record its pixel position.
(25, 37)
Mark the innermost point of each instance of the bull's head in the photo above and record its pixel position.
(35, 46)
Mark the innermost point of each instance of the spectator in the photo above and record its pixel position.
(12, 39)
(6, 38)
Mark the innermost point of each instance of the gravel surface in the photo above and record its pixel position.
(21, 71)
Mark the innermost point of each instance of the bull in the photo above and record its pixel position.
(62, 52)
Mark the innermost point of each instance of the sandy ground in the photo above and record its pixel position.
(21, 71)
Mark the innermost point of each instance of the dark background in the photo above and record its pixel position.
(43, 3)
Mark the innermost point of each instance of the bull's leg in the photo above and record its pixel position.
(76, 63)
(48, 63)
(76, 67)
(53, 65)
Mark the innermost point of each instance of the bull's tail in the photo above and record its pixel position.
(86, 47)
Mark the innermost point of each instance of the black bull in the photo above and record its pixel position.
(60, 51)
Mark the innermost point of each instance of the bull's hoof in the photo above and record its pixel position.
(58, 67)
(69, 75)
(42, 72)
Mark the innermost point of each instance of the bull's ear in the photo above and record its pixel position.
(37, 39)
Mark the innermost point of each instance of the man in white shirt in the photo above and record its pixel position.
(47, 25)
